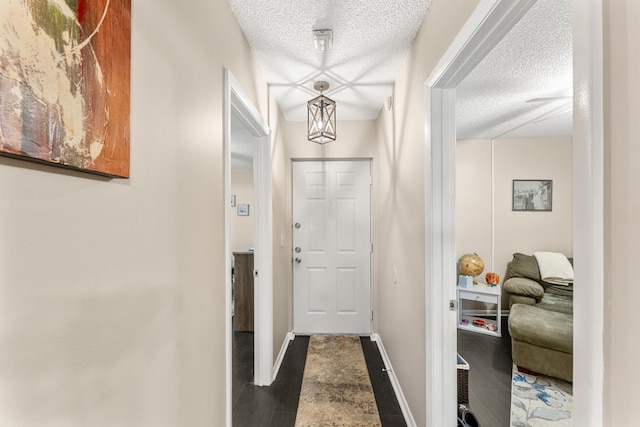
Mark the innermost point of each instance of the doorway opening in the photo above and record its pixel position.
(242, 118)
(488, 23)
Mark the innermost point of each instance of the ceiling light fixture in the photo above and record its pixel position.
(322, 39)
(321, 116)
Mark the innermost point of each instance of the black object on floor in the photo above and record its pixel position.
(466, 418)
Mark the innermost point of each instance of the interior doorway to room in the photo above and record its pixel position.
(479, 34)
(332, 247)
(524, 133)
(243, 120)
(242, 214)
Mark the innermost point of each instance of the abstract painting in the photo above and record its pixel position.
(64, 83)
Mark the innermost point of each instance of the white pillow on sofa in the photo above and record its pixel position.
(554, 268)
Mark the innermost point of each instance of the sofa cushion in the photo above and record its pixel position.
(566, 291)
(557, 303)
(542, 328)
(523, 265)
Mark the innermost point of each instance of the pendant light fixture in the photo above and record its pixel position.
(321, 116)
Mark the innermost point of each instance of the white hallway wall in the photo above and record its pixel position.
(485, 223)
(282, 271)
(621, 207)
(401, 215)
(112, 294)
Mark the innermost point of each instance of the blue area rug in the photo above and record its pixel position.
(538, 401)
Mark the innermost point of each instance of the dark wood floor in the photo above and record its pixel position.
(388, 407)
(277, 404)
(490, 365)
(489, 359)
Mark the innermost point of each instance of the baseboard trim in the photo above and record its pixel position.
(283, 350)
(402, 401)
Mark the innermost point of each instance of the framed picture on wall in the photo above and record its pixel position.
(532, 195)
(243, 210)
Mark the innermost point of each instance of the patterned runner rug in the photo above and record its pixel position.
(336, 389)
(539, 401)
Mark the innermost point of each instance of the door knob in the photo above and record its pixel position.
(298, 260)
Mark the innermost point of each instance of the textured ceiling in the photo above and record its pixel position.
(370, 41)
(523, 87)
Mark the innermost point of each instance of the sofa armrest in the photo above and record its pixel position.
(524, 287)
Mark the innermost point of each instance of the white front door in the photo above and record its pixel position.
(332, 247)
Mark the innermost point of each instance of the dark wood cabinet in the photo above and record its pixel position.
(243, 291)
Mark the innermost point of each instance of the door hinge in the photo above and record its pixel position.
(453, 305)
(371, 314)
(371, 247)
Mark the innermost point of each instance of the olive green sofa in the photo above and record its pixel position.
(540, 320)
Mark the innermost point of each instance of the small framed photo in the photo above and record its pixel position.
(532, 195)
(233, 200)
(243, 210)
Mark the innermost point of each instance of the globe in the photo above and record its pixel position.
(470, 265)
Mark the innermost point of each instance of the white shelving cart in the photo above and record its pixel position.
(479, 317)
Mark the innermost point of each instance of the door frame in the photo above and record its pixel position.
(371, 278)
(488, 23)
(236, 102)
